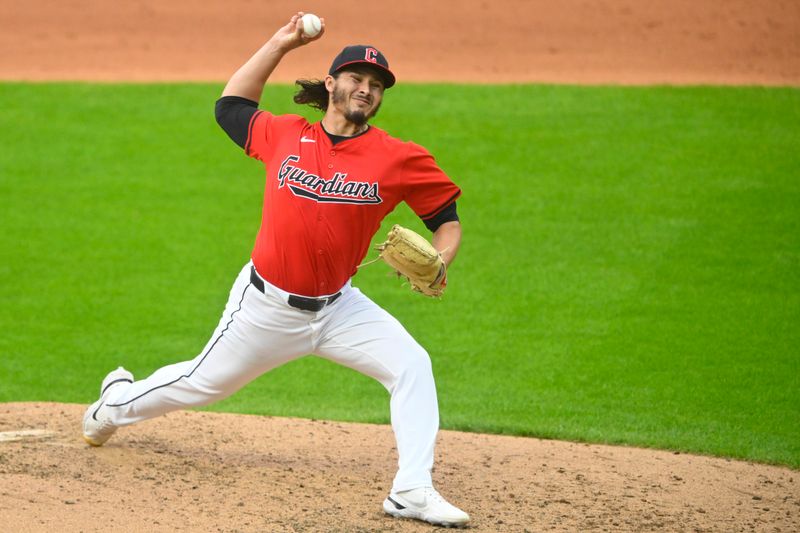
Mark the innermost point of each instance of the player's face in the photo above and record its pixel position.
(357, 94)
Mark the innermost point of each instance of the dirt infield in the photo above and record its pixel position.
(581, 41)
(193, 471)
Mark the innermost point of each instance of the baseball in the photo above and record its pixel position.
(311, 25)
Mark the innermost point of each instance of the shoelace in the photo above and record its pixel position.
(433, 494)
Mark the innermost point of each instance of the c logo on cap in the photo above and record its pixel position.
(371, 55)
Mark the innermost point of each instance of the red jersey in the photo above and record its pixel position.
(323, 203)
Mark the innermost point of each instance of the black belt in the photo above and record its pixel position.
(300, 302)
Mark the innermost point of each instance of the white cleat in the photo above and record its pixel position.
(97, 428)
(425, 504)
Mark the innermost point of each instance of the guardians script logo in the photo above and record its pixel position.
(335, 190)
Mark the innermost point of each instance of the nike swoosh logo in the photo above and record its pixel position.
(396, 505)
(305, 139)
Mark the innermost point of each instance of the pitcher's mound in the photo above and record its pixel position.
(195, 471)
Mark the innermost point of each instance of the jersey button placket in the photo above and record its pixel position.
(322, 284)
(320, 252)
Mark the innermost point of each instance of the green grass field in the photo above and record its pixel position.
(630, 271)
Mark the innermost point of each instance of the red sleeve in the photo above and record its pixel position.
(429, 189)
(264, 128)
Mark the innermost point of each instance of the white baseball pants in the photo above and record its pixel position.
(260, 331)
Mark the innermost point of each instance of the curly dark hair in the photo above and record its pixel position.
(313, 93)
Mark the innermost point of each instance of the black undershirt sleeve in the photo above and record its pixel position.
(233, 115)
(448, 214)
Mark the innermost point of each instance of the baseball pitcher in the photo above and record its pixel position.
(328, 186)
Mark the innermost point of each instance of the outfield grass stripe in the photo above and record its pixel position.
(629, 272)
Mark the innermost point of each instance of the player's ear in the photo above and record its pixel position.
(329, 82)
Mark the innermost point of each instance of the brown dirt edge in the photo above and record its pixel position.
(198, 471)
(632, 42)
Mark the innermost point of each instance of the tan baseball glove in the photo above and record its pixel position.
(414, 258)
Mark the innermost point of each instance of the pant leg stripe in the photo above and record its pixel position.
(198, 363)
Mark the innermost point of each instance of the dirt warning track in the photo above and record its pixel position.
(502, 41)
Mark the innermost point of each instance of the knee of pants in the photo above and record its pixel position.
(417, 369)
(196, 392)
(216, 393)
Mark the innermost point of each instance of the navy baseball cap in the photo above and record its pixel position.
(360, 54)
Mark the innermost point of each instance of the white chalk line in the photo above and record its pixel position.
(25, 434)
